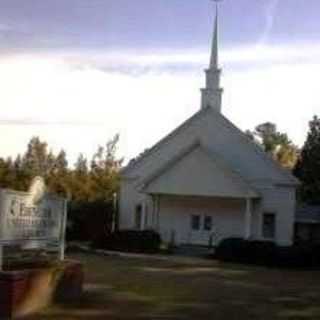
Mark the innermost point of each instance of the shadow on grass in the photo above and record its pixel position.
(119, 288)
(99, 302)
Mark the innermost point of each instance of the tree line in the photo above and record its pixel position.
(91, 180)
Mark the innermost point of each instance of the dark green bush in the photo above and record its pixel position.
(268, 254)
(88, 221)
(146, 241)
(296, 256)
(260, 252)
(231, 250)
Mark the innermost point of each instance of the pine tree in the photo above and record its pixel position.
(21, 178)
(105, 171)
(80, 183)
(35, 160)
(308, 166)
(5, 173)
(58, 174)
(277, 144)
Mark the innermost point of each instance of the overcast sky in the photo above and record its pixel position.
(76, 72)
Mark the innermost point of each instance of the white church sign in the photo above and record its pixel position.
(32, 217)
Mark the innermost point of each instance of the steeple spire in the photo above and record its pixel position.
(211, 94)
(214, 51)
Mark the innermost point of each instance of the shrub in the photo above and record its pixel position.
(231, 250)
(260, 252)
(268, 254)
(146, 241)
(88, 220)
(244, 251)
(295, 257)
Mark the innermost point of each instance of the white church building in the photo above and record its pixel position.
(207, 181)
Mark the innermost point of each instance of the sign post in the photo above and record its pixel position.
(63, 230)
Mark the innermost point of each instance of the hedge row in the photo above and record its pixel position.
(146, 241)
(268, 254)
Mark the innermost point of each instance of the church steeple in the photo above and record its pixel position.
(214, 50)
(211, 95)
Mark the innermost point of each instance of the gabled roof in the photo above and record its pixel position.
(137, 161)
(291, 180)
(210, 176)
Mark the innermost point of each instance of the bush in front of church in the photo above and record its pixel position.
(299, 256)
(231, 250)
(267, 253)
(139, 241)
(243, 251)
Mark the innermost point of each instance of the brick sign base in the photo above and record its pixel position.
(27, 291)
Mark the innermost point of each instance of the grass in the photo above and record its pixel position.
(189, 288)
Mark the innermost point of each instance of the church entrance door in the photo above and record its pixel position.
(201, 227)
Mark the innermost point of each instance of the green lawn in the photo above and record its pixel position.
(189, 288)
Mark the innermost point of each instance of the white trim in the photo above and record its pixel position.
(248, 219)
(230, 173)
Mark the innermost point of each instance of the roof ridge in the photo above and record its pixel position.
(265, 156)
(133, 162)
(217, 160)
(188, 149)
(220, 161)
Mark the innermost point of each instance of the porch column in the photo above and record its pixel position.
(143, 216)
(158, 213)
(248, 218)
(153, 211)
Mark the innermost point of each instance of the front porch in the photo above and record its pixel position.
(194, 220)
(197, 199)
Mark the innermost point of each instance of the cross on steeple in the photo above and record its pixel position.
(211, 94)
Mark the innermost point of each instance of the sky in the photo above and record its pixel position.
(78, 72)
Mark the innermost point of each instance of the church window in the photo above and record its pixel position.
(195, 222)
(269, 225)
(138, 216)
(207, 223)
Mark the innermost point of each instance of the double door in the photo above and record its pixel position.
(201, 229)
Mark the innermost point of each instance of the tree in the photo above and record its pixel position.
(308, 165)
(80, 180)
(105, 171)
(277, 144)
(5, 173)
(58, 174)
(35, 160)
(19, 175)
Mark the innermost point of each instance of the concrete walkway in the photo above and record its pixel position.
(188, 254)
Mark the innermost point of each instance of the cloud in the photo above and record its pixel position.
(270, 12)
(77, 101)
(191, 61)
(33, 122)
